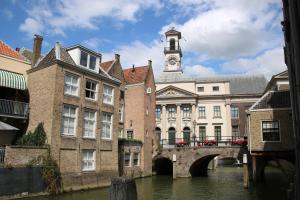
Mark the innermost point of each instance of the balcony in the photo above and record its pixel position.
(172, 50)
(14, 109)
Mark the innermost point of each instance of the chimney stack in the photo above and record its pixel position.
(150, 63)
(133, 68)
(18, 49)
(117, 57)
(37, 47)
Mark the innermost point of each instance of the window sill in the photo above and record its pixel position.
(107, 139)
(92, 100)
(88, 170)
(89, 138)
(73, 96)
(201, 117)
(68, 136)
(217, 117)
(108, 104)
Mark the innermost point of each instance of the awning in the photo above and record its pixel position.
(7, 127)
(12, 80)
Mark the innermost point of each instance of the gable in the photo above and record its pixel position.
(172, 91)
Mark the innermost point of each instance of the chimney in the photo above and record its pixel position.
(150, 63)
(57, 50)
(17, 49)
(133, 68)
(117, 57)
(37, 47)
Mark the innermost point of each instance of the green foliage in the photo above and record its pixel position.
(36, 138)
(51, 175)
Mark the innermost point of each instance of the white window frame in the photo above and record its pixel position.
(71, 84)
(104, 122)
(129, 163)
(69, 116)
(217, 116)
(186, 112)
(88, 60)
(171, 114)
(90, 90)
(92, 160)
(104, 95)
(138, 158)
(231, 109)
(121, 113)
(262, 138)
(199, 115)
(89, 120)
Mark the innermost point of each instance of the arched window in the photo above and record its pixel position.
(171, 133)
(172, 44)
(158, 134)
(187, 134)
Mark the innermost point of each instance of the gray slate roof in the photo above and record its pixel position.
(7, 127)
(239, 83)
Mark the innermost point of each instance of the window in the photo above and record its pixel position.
(127, 159)
(171, 112)
(202, 132)
(136, 159)
(88, 160)
(200, 89)
(71, 85)
(234, 112)
(69, 120)
(92, 62)
(218, 136)
(270, 131)
(108, 94)
(235, 132)
(83, 58)
(202, 112)
(106, 125)
(122, 94)
(121, 133)
(186, 111)
(90, 89)
(130, 135)
(216, 88)
(121, 113)
(217, 111)
(172, 44)
(89, 124)
(157, 113)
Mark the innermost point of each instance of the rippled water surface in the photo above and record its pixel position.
(225, 183)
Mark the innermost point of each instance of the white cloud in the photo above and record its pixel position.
(199, 71)
(138, 54)
(65, 14)
(31, 27)
(229, 29)
(269, 63)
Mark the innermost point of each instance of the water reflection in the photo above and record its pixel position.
(225, 183)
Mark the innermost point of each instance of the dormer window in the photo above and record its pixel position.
(92, 62)
(83, 59)
(88, 60)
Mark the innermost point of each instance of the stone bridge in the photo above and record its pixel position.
(192, 161)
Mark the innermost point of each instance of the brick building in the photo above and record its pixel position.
(78, 102)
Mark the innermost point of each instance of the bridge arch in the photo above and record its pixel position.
(162, 166)
(199, 166)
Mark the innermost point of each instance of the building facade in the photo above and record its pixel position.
(78, 103)
(13, 94)
(205, 109)
(270, 129)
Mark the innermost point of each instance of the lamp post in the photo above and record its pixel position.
(194, 133)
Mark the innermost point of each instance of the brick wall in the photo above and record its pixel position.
(22, 155)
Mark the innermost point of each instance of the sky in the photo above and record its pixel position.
(219, 37)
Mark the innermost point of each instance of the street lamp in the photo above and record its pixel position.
(194, 133)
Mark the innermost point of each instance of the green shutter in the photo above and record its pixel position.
(12, 80)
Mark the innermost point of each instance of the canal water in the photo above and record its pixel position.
(225, 183)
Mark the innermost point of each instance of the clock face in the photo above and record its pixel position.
(172, 60)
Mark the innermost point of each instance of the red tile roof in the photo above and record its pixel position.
(9, 52)
(106, 65)
(138, 75)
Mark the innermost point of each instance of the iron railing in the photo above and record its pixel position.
(208, 141)
(2, 155)
(17, 109)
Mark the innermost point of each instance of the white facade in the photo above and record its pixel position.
(181, 100)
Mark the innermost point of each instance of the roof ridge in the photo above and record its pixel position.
(14, 51)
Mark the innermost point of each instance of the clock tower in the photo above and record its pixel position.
(172, 51)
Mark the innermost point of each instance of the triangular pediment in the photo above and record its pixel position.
(172, 91)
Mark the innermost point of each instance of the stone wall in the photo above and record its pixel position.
(22, 155)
